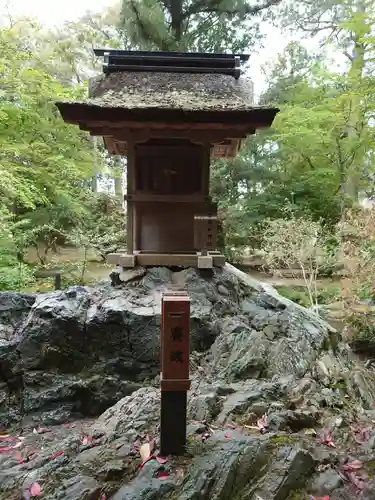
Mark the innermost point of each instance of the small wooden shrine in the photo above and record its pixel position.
(169, 113)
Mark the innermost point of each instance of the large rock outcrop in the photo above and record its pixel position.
(267, 376)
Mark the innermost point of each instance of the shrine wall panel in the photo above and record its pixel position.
(171, 169)
(167, 227)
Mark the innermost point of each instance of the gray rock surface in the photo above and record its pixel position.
(268, 377)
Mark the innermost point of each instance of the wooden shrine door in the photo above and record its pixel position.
(171, 182)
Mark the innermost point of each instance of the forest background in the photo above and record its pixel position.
(299, 194)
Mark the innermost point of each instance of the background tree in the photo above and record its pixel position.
(200, 25)
(346, 26)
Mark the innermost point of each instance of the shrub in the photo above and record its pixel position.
(356, 234)
(300, 244)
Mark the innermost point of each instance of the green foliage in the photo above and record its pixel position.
(317, 158)
(45, 164)
(102, 229)
(14, 274)
(356, 234)
(41, 158)
(299, 244)
(325, 295)
(196, 25)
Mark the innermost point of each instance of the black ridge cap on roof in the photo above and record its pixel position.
(208, 55)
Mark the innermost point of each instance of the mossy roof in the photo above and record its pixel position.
(180, 91)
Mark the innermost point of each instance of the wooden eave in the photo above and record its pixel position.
(76, 113)
(223, 130)
(225, 149)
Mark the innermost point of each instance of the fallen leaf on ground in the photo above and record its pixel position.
(327, 439)
(351, 472)
(87, 440)
(358, 480)
(352, 466)
(41, 430)
(35, 490)
(261, 425)
(227, 435)
(5, 449)
(145, 452)
(162, 475)
(361, 434)
(55, 455)
(310, 432)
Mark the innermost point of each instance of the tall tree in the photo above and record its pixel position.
(192, 24)
(346, 26)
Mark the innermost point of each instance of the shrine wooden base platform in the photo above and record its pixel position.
(183, 259)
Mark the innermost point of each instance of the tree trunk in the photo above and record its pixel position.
(356, 118)
(118, 177)
(94, 181)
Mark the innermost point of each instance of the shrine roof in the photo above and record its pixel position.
(184, 91)
(169, 88)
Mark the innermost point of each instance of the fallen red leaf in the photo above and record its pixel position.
(35, 490)
(361, 434)
(141, 464)
(162, 475)
(5, 449)
(161, 460)
(351, 472)
(57, 454)
(327, 439)
(87, 440)
(352, 466)
(227, 436)
(357, 480)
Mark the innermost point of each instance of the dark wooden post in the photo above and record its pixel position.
(57, 281)
(174, 379)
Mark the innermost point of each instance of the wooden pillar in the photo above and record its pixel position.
(206, 170)
(130, 188)
(174, 379)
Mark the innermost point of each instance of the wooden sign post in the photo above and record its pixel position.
(174, 379)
